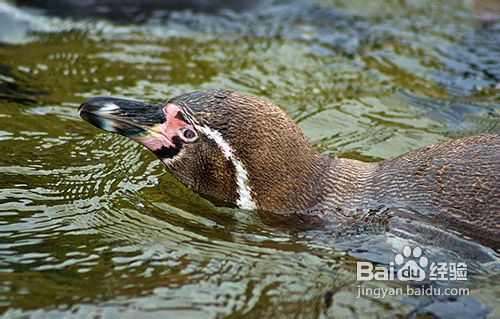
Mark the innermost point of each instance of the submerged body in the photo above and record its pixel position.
(453, 184)
(244, 150)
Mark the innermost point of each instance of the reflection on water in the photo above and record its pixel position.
(91, 224)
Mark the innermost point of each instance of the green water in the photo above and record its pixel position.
(91, 224)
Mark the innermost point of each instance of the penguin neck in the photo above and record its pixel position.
(313, 182)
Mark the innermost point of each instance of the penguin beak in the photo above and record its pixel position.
(129, 118)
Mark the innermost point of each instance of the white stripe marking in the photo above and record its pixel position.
(245, 200)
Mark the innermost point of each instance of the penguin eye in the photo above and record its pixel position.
(189, 135)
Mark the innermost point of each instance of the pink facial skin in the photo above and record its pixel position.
(161, 135)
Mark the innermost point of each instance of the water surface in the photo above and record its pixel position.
(91, 224)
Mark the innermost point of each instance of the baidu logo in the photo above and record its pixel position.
(412, 269)
(412, 266)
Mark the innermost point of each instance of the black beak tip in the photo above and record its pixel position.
(100, 112)
(126, 117)
(82, 107)
(99, 104)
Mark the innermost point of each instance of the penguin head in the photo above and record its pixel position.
(230, 146)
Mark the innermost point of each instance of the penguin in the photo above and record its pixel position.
(243, 150)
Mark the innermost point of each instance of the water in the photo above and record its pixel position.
(91, 224)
